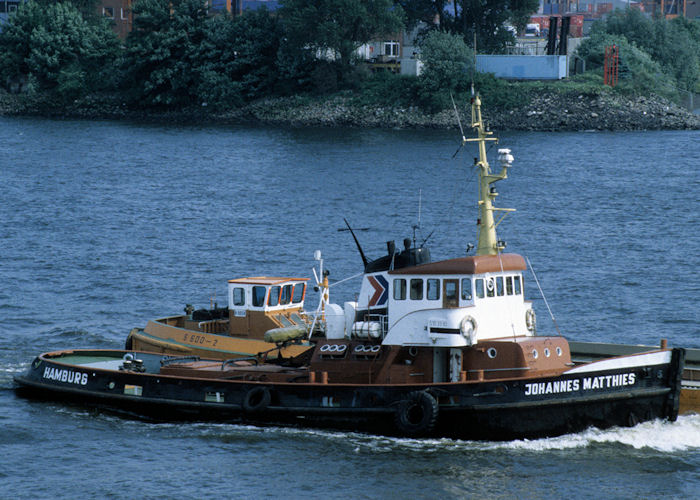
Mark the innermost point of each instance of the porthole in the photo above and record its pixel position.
(546, 352)
(491, 352)
(412, 351)
(111, 385)
(558, 351)
(534, 353)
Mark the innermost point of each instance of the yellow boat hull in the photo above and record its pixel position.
(158, 337)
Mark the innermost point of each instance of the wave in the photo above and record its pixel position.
(659, 435)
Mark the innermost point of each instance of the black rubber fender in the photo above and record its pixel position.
(256, 399)
(417, 414)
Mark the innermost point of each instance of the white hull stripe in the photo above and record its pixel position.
(632, 361)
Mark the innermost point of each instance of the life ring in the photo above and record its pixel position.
(468, 329)
(417, 414)
(256, 399)
(530, 320)
(490, 284)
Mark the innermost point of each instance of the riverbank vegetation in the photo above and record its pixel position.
(178, 58)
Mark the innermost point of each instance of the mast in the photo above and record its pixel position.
(488, 244)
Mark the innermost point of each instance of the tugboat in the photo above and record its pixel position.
(445, 348)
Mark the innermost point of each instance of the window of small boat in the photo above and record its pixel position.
(238, 296)
(286, 296)
(259, 293)
(298, 295)
(274, 299)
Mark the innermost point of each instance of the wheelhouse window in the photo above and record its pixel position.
(479, 284)
(518, 289)
(450, 290)
(417, 289)
(466, 289)
(239, 296)
(274, 296)
(499, 286)
(298, 295)
(433, 289)
(490, 287)
(286, 296)
(400, 289)
(509, 285)
(259, 293)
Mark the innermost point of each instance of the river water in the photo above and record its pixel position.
(105, 225)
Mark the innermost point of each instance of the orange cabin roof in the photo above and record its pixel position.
(478, 264)
(265, 280)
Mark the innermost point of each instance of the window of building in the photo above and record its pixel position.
(239, 296)
(417, 289)
(433, 289)
(259, 293)
(274, 296)
(108, 12)
(479, 284)
(125, 14)
(400, 289)
(11, 7)
(391, 49)
(499, 286)
(286, 296)
(516, 281)
(298, 295)
(466, 289)
(509, 285)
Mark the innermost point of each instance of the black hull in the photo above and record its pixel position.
(498, 410)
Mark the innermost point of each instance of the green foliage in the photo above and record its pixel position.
(637, 70)
(162, 51)
(488, 20)
(499, 93)
(674, 44)
(57, 49)
(237, 58)
(387, 89)
(336, 28)
(448, 66)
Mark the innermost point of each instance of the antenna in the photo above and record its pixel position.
(362, 254)
(551, 314)
(420, 198)
(459, 122)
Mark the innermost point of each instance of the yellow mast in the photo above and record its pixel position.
(488, 240)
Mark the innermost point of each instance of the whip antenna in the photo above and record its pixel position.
(551, 314)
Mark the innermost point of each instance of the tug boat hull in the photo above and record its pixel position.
(494, 409)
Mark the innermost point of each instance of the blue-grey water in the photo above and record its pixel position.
(105, 225)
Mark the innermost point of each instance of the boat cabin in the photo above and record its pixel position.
(451, 303)
(262, 303)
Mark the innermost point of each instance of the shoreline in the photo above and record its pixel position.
(546, 111)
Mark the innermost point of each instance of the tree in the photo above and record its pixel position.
(489, 20)
(57, 48)
(449, 64)
(237, 58)
(162, 51)
(674, 44)
(337, 28)
(637, 70)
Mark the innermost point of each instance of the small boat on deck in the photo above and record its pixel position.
(446, 348)
(261, 311)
